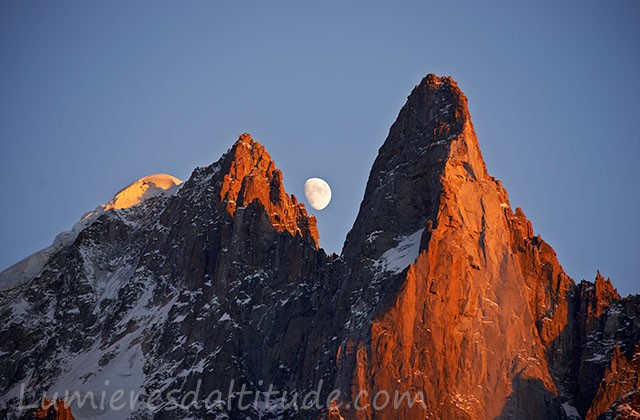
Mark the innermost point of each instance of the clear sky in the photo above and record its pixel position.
(94, 95)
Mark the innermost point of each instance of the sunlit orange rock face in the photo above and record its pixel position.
(250, 175)
(620, 380)
(58, 410)
(483, 322)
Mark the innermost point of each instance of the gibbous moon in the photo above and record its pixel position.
(318, 193)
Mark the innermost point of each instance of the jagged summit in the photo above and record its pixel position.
(432, 131)
(435, 109)
(249, 174)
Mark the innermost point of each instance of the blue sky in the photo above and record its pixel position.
(94, 95)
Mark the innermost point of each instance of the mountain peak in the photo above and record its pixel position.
(437, 96)
(251, 175)
(434, 80)
(606, 294)
(432, 130)
(246, 139)
(246, 143)
(140, 190)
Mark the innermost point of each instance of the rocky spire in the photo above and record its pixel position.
(606, 294)
(462, 308)
(250, 175)
(403, 190)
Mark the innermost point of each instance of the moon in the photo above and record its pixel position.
(318, 193)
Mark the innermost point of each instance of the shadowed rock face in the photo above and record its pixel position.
(220, 281)
(441, 289)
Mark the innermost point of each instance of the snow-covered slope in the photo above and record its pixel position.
(134, 194)
(141, 190)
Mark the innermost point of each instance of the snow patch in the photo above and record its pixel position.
(598, 358)
(396, 259)
(122, 373)
(571, 411)
(372, 236)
